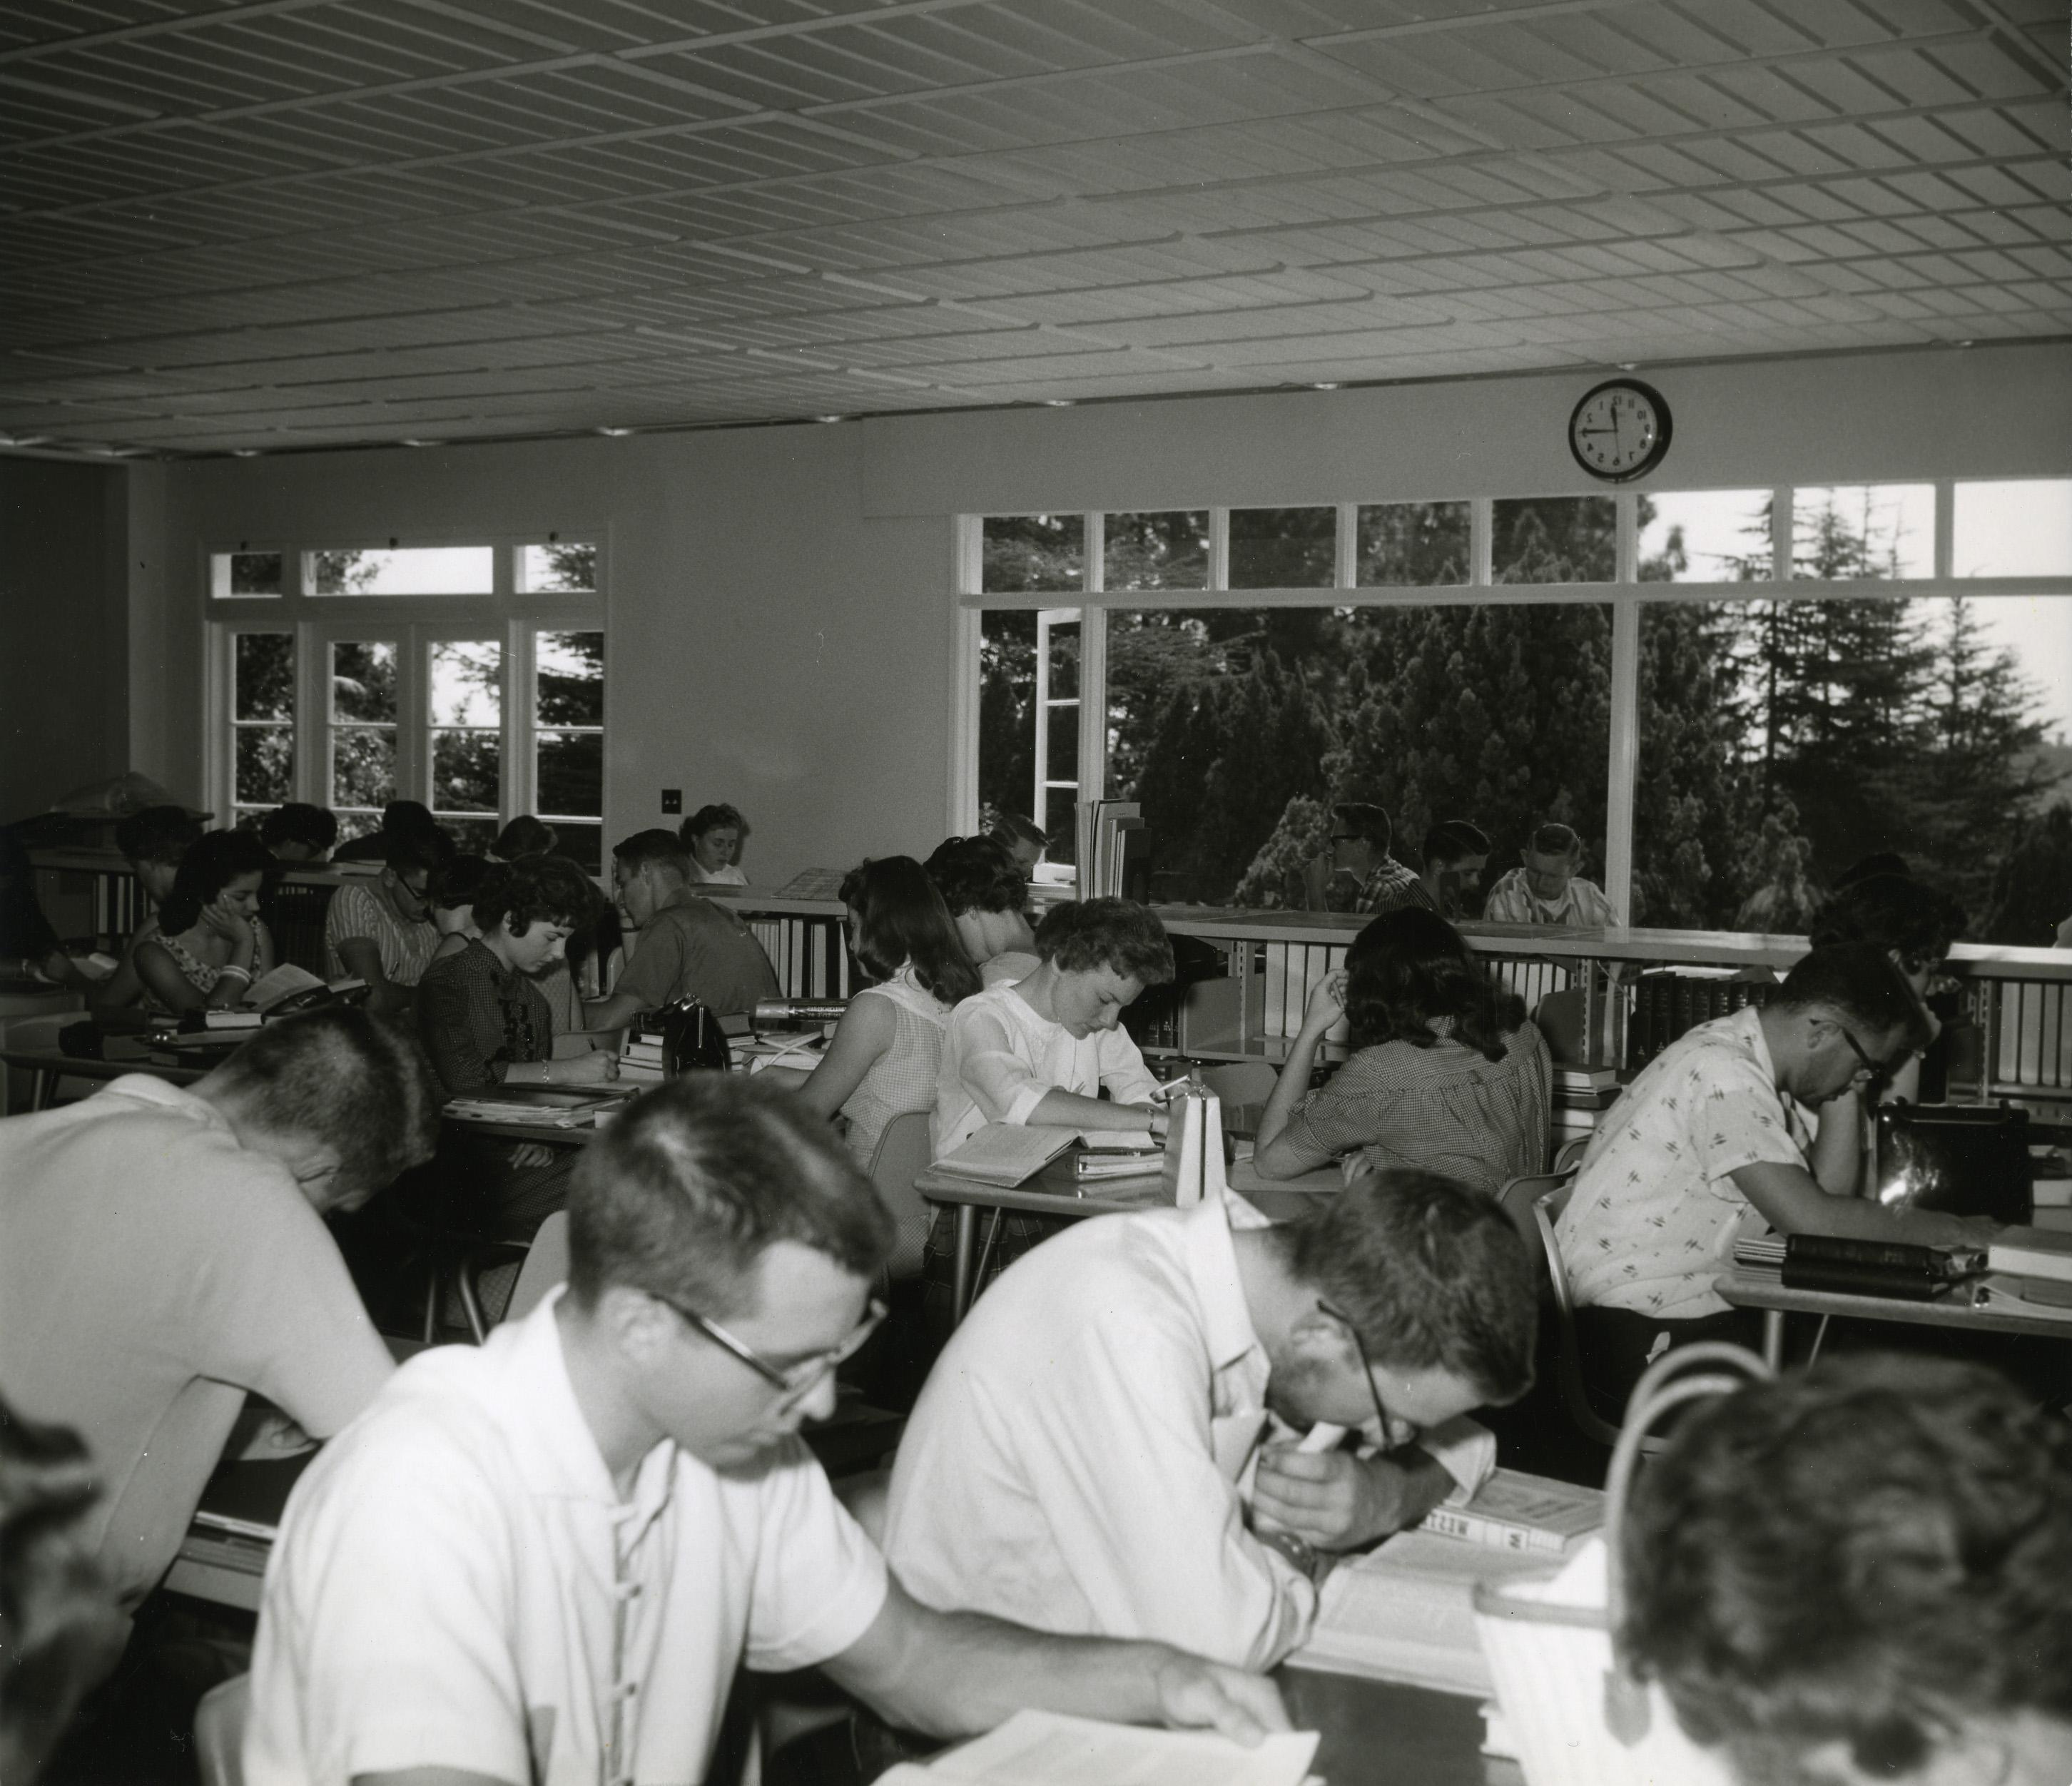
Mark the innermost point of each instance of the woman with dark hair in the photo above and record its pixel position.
(1449, 1074)
(986, 891)
(887, 1050)
(524, 836)
(211, 943)
(452, 891)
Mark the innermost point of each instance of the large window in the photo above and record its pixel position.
(470, 677)
(1731, 695)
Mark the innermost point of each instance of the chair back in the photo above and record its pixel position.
(220, 1721)
(1546, 1211)
(903, 1155)
(1569, 1155)
(546, 1264)
(1517, 1198)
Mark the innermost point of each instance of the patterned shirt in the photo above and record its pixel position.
(1655, 1211)
(405, 949)
(1387, 887)
(478, 1020)
(1402, 895)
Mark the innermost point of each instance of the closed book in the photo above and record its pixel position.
(1516, 1511)
(2032, 1252)
(1900, 1283)
(1892, 1255)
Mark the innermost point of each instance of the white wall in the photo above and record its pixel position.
(781, 598)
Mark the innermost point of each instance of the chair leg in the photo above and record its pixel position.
(470, 1304)
(432, 1287)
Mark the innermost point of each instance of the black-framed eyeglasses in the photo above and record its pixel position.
(794, 1379)
(1367, 1370)
(1872, 1072)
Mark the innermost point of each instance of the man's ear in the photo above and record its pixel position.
(1314, 1334)
(639, 1325)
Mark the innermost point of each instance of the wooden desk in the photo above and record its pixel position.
(50, 1065)
(1056, 1192)
(1764, 1289)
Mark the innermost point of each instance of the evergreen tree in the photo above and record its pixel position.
(2032, 889)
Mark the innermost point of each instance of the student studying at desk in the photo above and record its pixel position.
(1093, 1452)
(1042, 1050)
(543, 1560)
(163, 1251)
(688, 946)
(1712, 1134)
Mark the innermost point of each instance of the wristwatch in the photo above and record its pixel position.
(1298, 1550)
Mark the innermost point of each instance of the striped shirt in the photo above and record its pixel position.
(405, 949)
(1444, 1109)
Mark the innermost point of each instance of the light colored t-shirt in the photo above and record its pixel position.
(406, 949)
(151, 1271)
(1081, 1458)
(1000, 1058)
(1655, 1212)
(692, 947)
(459, 1585)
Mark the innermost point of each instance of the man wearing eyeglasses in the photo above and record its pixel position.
(1108, 1443)
(543, 1560)
(1355, 872)
(1713, 1136)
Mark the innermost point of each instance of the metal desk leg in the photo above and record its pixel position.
(1772, 1338)
(960, 1284)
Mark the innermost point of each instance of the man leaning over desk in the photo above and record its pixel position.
(542, 1560)
(1097, 1450)
(688, 947)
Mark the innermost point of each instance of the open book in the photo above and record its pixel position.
(1036, 1748)
(1009, 1154)
(288, 987)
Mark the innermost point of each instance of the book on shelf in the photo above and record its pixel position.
(1585, 1079)
(1517, 1511)
(232, 1019)
(1041, 1748)
(1405, 1612)
(2032, 1252)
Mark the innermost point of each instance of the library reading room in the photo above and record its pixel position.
(1035, 893)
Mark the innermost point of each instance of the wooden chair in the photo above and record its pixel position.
(903, 1154)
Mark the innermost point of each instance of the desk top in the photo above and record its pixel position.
(1056, 1192)
(74, 1067)
(1751, 1289)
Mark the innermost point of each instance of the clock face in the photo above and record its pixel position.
(1619, 430)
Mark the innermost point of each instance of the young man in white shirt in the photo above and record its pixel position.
(1712, 1135)
(543, 1560)
(1093, 1452)
(163, 1251)
(1548, 888)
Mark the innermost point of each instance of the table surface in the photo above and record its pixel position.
(1746, 1288)
(1378, 1733)
(1055, 1190)
(74, 1067)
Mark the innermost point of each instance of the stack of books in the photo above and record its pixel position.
(1861, 1268)
(640, 1060)
(1115, 849)
(2029, 1271)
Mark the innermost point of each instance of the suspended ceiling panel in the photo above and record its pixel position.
(238, 224)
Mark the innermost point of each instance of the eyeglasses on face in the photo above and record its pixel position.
(1870, 1072)
(1383, 1425)
(791, 1380)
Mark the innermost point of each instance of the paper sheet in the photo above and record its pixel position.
(1035, 1748)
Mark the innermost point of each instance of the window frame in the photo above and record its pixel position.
(1624, 594)
(509, 615)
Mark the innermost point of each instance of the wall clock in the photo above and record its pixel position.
(1620, 430)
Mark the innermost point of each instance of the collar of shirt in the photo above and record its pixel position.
(551, 1442)
(145, 1089)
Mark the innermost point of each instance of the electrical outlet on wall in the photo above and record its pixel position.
(673, 800)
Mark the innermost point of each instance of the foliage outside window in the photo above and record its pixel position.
(1779, 739)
